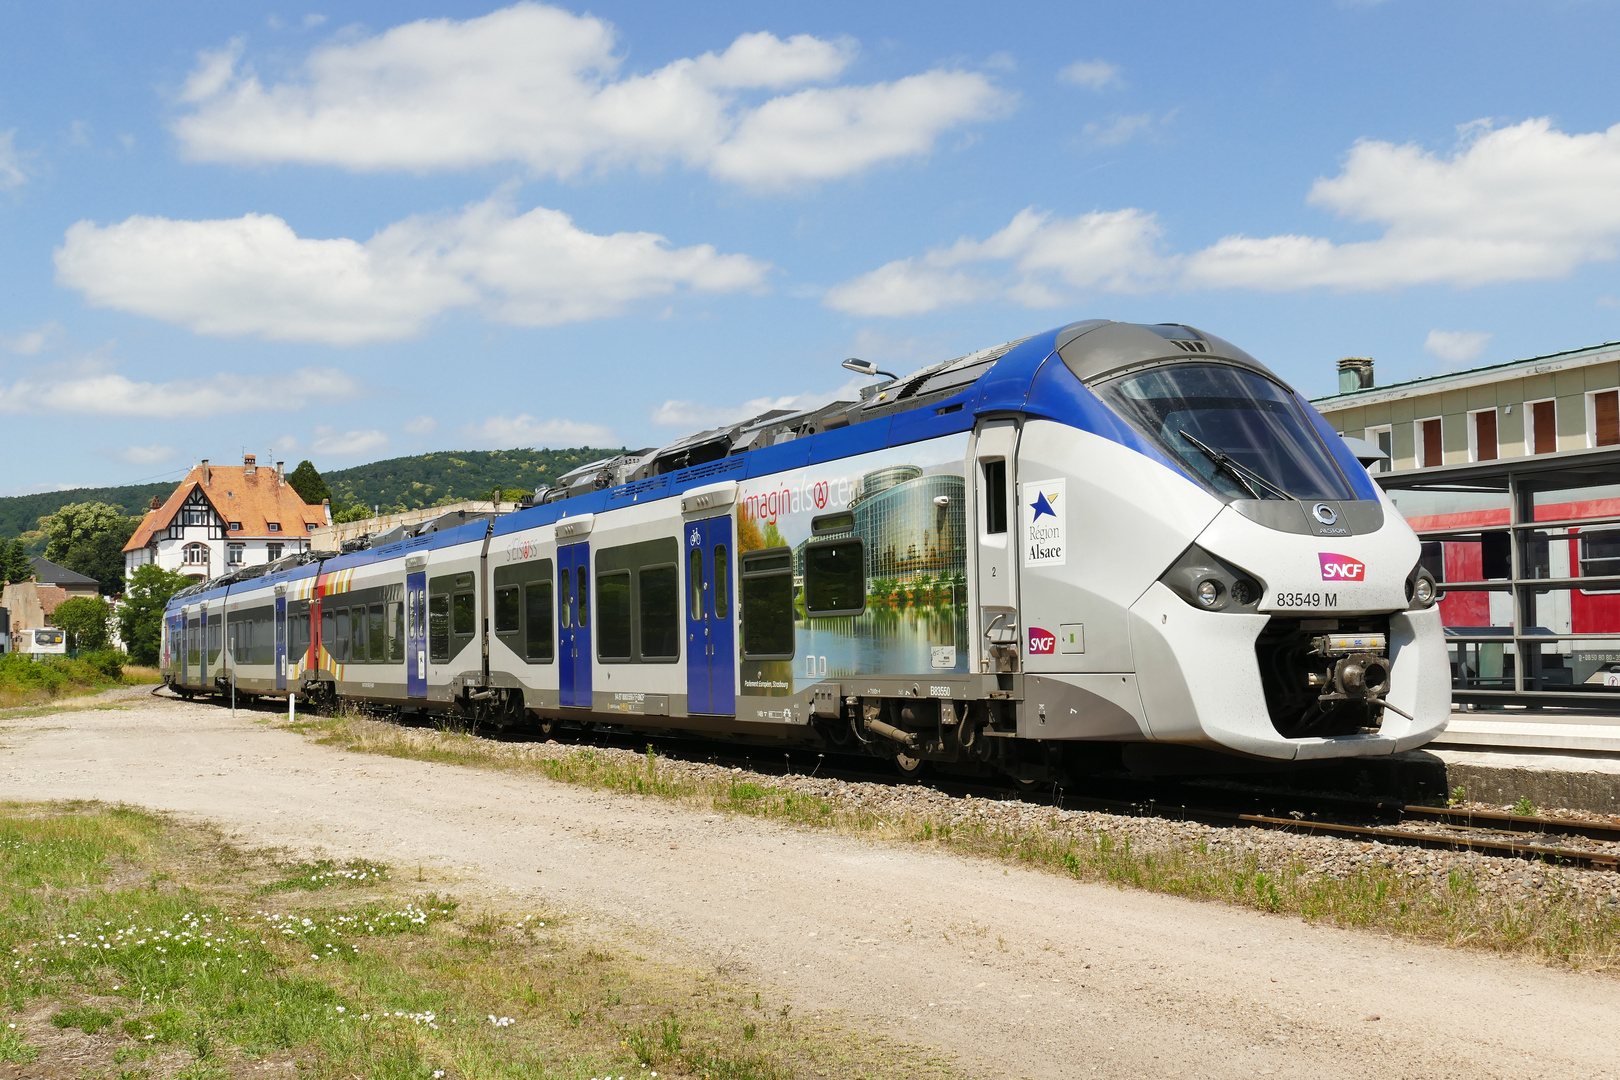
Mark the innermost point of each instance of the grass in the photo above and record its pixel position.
(25, 681)
(139, 948)
(1556, 924)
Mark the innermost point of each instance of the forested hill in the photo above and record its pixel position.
(403, 483)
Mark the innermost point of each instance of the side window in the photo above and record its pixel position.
(377, 635)
(766, 581)
(357, 634)
(566, 600)
(613, 615)
(660, 612)
(995, 497)
(439, 626)
(396, 631)
(508, 613)
(584, 598)
(694, 585)
(216, 630)
(464, 615)
(722, 571)
(329, 638)
(537, 612)
(834, 578)
(341, 640)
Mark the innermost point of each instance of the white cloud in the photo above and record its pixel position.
(313, 19)
(421, 425)
(1119, 130)
(1094, 74)
(333, 443)
(541, 86)
(1518, 203)
(1456, 346)
(35, 341)
(11, 172)
(155, 454)
(253, 276)
(697, 416)
(1510, 204)
(1035, 261)
(110, 394)
(504, 432)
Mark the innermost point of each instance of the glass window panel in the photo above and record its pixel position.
(215, 642)
(439, 626)
(660, 612)
(377, 636)
(584, 610)
(464, 615)
(613, 612)
(396, 631)
(995, 497)
(767, 614)
(566, 602)
(537, 605)
(329, 634)
(508, 610)
(722, 574)
(357, 634)
(835, 578)
(694, 585)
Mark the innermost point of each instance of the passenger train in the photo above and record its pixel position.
(1105, 536)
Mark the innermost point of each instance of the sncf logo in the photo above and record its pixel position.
(1042, 642)
(1341, 567)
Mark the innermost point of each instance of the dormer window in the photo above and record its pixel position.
(194, 515)
(273, 526)
(236, 526)
(309, 526)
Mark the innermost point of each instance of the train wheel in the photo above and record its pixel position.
(910, 766)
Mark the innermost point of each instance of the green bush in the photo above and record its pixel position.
(110, 662)
(55, 674)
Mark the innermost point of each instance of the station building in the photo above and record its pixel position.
(224, 518)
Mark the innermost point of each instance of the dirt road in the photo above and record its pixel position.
(1019, 972)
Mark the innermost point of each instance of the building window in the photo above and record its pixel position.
(1384, 439)
(1542, 416)
(309, 526)
(235, 554)
(194, 515)
(1482, 435)
(273, 526)
(272, 552)
(1603, 411)
(195, 554)
(1430, 450)
(236, 526)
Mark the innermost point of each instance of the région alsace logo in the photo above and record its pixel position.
(1042, 642)
(1045, 512)
(1341, 567)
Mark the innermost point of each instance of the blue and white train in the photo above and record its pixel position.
(1104, 535)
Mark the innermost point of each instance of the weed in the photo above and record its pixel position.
(87, 1018)
(1525, 807)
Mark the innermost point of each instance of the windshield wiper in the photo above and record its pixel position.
(1245, 477)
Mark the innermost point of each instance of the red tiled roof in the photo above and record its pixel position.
(254, 500)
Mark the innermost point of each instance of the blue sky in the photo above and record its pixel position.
(358, 230)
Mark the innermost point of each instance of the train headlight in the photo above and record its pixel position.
(1422, 591)
(1212, 584)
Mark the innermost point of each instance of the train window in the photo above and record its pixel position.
(766, 580)
(329, 638)
(396, 631)
(584, 611)
(439, 626)
(297, 636)
(694, 585)
(1600, 554)
(567, 599)
(344, 642)
(995, 497)
(722, 571)
(1433, 559)
(537, 612)
(835, 578)
(377, 635)
(193, 655)
(613, 635)
(660, 612)
(464, 615)
(216, 630)
(508, 614)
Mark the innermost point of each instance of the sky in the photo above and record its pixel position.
(360, 230)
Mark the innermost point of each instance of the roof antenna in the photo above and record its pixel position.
(867, 368)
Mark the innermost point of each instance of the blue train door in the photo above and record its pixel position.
(281, 643)
(711, 651)
(573, 624)
(416, 635)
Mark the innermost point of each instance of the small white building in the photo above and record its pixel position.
(221, 519)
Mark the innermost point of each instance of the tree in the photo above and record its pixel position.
(14, 563)
(140, 617)
(308, 483)
(90, 538)
(85, 619)
(351, 513)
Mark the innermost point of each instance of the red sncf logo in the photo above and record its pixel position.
(1042, 642)
(1341, 567)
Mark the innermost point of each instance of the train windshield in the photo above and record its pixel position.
(1242, 434)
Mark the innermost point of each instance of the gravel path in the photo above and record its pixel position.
(1018, 972)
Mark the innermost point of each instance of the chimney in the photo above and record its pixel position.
(281, 471)
(207, 474)
(250, 464)
(326, 508)
(157, 503)
(1355, 373)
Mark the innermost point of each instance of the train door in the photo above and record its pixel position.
(281, 643)
(416, 635)
(573, 624)
(711, 652)
(995, 459)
